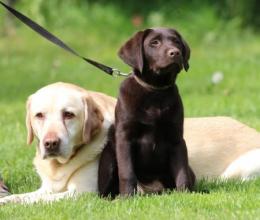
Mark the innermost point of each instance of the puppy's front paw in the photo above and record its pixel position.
(185, 181)
(128, 190)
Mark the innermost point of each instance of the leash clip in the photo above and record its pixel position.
(117, 72)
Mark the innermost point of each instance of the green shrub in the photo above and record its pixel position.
(77, 11)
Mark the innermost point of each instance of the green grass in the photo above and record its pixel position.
(226, 201)
(28, 62)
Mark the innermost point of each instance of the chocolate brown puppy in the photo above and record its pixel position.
(146, 143)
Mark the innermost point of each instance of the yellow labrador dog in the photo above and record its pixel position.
(71, 126)
(222, 147)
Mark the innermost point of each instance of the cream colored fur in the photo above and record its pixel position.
(75, 170)
(222, 147)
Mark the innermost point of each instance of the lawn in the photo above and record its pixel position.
(28, 62)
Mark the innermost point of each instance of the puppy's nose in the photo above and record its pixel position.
(173, 53)
(52, 144)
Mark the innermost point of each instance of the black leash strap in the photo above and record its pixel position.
(50, 37)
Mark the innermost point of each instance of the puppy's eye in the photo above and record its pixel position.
(39, 115)
(155, 43)
(68, 115)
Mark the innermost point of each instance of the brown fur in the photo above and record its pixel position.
(146, 144)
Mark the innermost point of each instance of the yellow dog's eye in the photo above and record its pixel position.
(39, 115)
(68, 115)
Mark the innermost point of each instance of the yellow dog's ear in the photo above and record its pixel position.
(93, 119)
(28, 121)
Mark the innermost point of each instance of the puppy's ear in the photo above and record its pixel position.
(28, 121)
(185, 54)
(93, 119)
(185, 51)
(132, 51)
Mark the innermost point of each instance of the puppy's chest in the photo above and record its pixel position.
(155, 112)
(155, 124)
(151, 151)
(152, 112)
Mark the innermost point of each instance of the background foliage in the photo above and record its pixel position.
(245, 11)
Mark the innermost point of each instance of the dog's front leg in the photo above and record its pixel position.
(22, 198)
(35, 197)
(124, 154)
(182, 174)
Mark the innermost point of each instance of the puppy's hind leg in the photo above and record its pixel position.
(108, 182)
(245, 167)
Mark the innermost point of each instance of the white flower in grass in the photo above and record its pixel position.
(217, 77)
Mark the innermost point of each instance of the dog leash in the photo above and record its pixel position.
(55, 40)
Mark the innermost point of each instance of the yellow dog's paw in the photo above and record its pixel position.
(10, 199)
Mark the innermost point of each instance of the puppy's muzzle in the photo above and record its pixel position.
(52, 145)
(175, 57)
(173, 53)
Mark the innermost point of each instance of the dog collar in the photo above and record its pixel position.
(149, 86)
